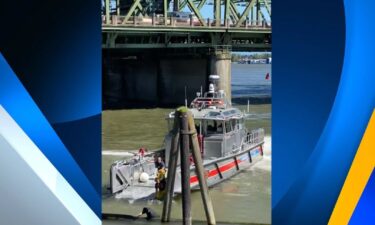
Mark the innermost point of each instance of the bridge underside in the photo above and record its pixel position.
(153, 52)
(145, 38)
(152, 67)
(151, 77)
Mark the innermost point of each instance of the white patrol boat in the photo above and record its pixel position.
(227, 147)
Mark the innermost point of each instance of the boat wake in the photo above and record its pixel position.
(136, 194)
(117, 153)
(265, 164)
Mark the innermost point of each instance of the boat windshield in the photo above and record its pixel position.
(226, 114)
(214, 127)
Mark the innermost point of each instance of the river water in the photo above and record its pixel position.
(243, 199)
(249, 80)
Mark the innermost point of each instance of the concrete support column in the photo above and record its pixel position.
(220, 64)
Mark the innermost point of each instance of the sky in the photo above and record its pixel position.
(207, 11)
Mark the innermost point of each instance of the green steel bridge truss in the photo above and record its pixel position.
(244, 25)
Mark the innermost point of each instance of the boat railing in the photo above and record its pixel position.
(255, 137)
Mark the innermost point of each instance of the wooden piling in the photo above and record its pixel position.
(184, 132)
(185, 166)
(172, 165)
(199, 170)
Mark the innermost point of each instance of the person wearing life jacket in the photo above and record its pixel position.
(160, 180)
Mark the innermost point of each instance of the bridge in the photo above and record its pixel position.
(244, 25)
(191, 38)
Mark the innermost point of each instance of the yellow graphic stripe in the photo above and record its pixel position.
(359, 173)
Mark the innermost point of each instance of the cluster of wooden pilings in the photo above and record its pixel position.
(184, 134)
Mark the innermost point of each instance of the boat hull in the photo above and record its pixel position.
(216, 171)
(221, 169)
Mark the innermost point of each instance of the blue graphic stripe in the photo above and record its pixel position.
(308, 41)
(24, 161)
(312, 196)
(15, 99)
(83, 139)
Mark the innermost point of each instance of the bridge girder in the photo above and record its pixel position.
(191, 40)
(238, 29)
(231, 10)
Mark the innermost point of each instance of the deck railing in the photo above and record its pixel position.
(160, 21)
(255, 137)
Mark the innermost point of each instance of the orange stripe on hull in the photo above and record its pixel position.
(215, 172)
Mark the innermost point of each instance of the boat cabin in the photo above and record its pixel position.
(220, 132)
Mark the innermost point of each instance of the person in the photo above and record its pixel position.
(191, 159)
(159, 163)
(160, 179)
(141, 152)
(160, 183)
(149, 213)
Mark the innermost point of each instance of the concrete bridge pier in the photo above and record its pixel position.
(220, 64)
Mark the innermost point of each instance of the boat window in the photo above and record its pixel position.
(240, 123)
(219, 128)
(228, 126)
(226, 113)
(214, 126)
(230, 113)
(234, 124)
(211, 126)
(213, 114)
